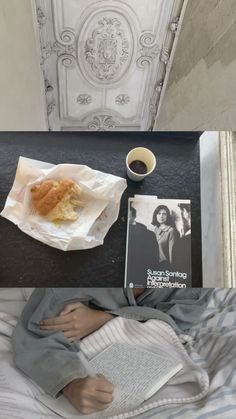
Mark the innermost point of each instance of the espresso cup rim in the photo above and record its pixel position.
(139, 174)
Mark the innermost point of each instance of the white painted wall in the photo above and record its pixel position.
(218, 208)
(227, 151)
(22, 104)
(201, 90)
(211, 210)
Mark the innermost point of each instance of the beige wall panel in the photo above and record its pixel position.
(201, 91)
(22, 103)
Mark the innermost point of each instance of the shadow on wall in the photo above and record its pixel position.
(201, 89)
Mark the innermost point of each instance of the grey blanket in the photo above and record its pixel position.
(50, 359)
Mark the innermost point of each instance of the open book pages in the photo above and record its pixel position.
(136, 374)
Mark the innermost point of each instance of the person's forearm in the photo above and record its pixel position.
(105, 317)
(99, 320)
(51, 364)
(48, 359)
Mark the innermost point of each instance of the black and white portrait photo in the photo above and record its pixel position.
(158, 242)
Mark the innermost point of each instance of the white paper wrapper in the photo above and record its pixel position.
(101, 193)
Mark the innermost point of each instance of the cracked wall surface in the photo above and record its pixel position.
(201, 91)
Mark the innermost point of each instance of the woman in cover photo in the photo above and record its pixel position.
(143, 249)
(166, 236)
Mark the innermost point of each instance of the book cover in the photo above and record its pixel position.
(158, 247)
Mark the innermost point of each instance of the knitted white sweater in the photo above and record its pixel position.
(154, 335)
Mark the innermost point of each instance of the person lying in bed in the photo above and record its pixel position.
(47, 337)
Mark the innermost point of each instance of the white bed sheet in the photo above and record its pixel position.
(214, 338)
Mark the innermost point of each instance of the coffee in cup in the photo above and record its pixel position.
(140, 162)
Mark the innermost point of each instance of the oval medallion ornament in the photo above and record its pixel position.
(107, 42)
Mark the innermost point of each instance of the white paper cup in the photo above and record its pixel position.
(146, 156)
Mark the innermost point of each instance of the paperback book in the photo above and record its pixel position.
(137, 374)
(158, 247)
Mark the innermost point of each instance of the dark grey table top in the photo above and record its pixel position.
(27, 262)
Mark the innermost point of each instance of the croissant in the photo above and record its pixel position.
(56, 200)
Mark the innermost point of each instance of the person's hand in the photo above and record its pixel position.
(76, 321)
(90, 394)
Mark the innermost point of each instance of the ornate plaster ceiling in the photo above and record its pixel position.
(105, 61)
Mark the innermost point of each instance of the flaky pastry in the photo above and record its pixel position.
(57, 200)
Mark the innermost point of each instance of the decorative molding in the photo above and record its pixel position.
(149, 51)
(40, 17)
(170, 45)
(61, 49)
(46, 51)
(102, 123)
(67, 60)
(51, 107)
(155, 96)
(165, 56)
(107, 49)
(159, 86)
(48, 86)
(122, 99)
(66, 47)
(50, 98)
(67, 53)
(175, 25)
(67, 37)
(84, 99)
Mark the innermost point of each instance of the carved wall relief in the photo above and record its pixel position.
(149, 49)
(106, 60)
(41, 17)
(122, 99)
(102, 123)
(105, 47)
(84, 99)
